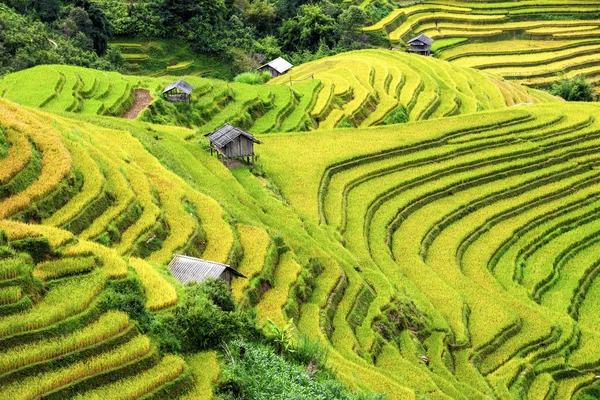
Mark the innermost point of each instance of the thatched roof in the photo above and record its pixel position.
(279, 64)
(189, 269)
(180, 85)
(227, 134)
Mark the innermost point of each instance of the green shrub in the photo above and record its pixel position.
(205, 318)
(127, 295)
(265, 77)
(398, 116)
(215, 290)
(309, 352)
(251, 78)
(573, 89)
(37, 247)
(255, 371)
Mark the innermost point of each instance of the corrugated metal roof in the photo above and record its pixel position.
(180, 85)
(189, 269)
(421, 38)
(279, 64)
(228, 133)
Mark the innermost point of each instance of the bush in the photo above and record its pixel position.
(252, 78)
(205, 318)
(215, 290)
(254, 371)
(398, 116)
(309, 352)
(127, 295)
(573, 89)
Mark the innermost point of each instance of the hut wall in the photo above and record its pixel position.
(270, 70)
(240, 147)
(227, 276)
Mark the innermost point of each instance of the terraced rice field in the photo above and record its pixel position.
(95, 194)
(453, 256)
(491, 226)
(385, 87)
(530, 42)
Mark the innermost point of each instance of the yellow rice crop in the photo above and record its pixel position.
(18, 230)
(10, 294)
(65, 266)
(32, 388)
(56, 160)
(206, 369)
(113, 266)
(159, 293)
(93, 182)
(273, 301)
(108, 325)
(62, 301)
(255, 242)
(18, 156)
(169, 368)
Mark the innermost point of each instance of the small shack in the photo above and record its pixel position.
(277, 67)
(231, 142)
(189, 269)
(179, 91)
(420, 45)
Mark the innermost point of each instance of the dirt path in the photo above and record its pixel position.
(142, 99)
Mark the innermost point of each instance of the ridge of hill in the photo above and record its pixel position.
(341, 91)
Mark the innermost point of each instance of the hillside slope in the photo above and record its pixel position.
(530, 42)
(358, 89)
(453, 260)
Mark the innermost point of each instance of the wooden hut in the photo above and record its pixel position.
(179, 91)
(231, 142)
(189, 269)
(420, 45)
(277, 67)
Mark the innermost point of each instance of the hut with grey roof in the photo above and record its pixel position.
(179, 91)
(420, 45)
(189, 269)
(230, 143)
(277, 67)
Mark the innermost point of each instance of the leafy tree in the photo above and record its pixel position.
(206, 317)
(47, 10)
(352, 20)
(573, 89)
(259, 13)
(308, 29)
(100, 30)
(115, 57)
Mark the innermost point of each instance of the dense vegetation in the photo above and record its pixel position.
(245, 32)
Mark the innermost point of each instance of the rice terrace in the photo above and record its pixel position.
(288, 199)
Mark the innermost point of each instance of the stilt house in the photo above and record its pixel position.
(277, 67)
(420, 45)
(231, 142)
(189, 269)
(179, 91)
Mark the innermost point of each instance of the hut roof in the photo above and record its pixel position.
(421, 38)
(227, 134)
(180, 85)
(279, 64)
(189, 269)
